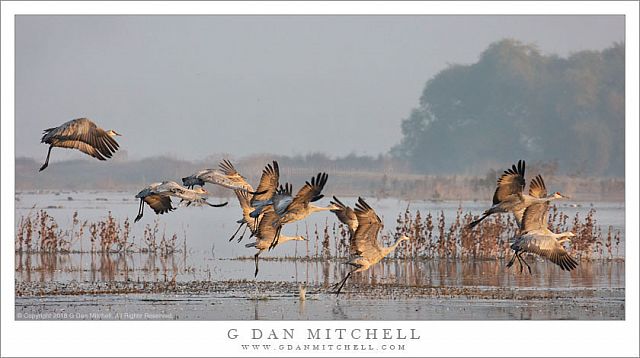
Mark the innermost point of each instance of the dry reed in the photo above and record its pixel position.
(433, 237)
(39, 232)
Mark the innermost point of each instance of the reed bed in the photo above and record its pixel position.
(38, 232)
(434, 237)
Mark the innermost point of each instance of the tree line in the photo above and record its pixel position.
(516, 102)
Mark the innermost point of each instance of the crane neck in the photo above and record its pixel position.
(314, 208)
(393, 247)
(282, 239)
(564, 236)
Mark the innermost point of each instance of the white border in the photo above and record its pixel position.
(439, 338)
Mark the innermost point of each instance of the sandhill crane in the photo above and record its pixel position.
(266, 188)
(81, 134)
(363, 244)
(535, 236)
(509, 196)
(265, 233)
(160, 202)
(158, 197)
(299, 206)
(244, 198)
(226, 176)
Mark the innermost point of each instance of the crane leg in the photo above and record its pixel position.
(255, 222)
(244, 231)
(235, 233)
(46, 162)
(476, 222)
(275, 238)
(344, 280)
(525, 262)
(256, 258)
(520, 263)
(140, 211)
(513, 259)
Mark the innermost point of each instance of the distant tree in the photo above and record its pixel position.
(517, 103)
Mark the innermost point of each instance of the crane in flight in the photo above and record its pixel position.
(509, 196)
(265, 232)
(158, 197)
(226, 176)
(363, 243)
(290, 209)
(266, 188)
(81, 134)
(535, 236)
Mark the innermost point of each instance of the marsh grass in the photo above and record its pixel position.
(434, 237)
(39, 232)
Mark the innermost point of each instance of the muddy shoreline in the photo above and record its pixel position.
(278, 300)
(235, 288)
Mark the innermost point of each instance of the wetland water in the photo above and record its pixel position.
(208, 281)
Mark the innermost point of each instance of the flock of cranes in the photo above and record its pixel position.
(530, 211)
(266, 209)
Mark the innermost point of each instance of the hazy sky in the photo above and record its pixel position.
(189, 86)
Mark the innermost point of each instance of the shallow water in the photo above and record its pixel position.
(43, 267)
(209, 279)
(319, 307)
(168, 289)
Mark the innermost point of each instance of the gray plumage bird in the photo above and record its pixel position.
(265, 233)
(81, 134)
(226, 176)
(290, 209)
(535, 236)
(510, 197)
(363, 243)
(158, 197)
(266, 188)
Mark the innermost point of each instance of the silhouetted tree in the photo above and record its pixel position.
(517, 103)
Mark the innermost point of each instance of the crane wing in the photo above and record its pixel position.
(227, 168)
(83, 147)
(160, 203)
(85, 131)
(552, 250)
(345, 214)
(266, 231)
(310, 191)
(535, 217)
(268, 183)
(282, 199)
(537, 188)
(510, 182)
(232, 174)
(169, 187)
(365, 238)
(244, 198)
